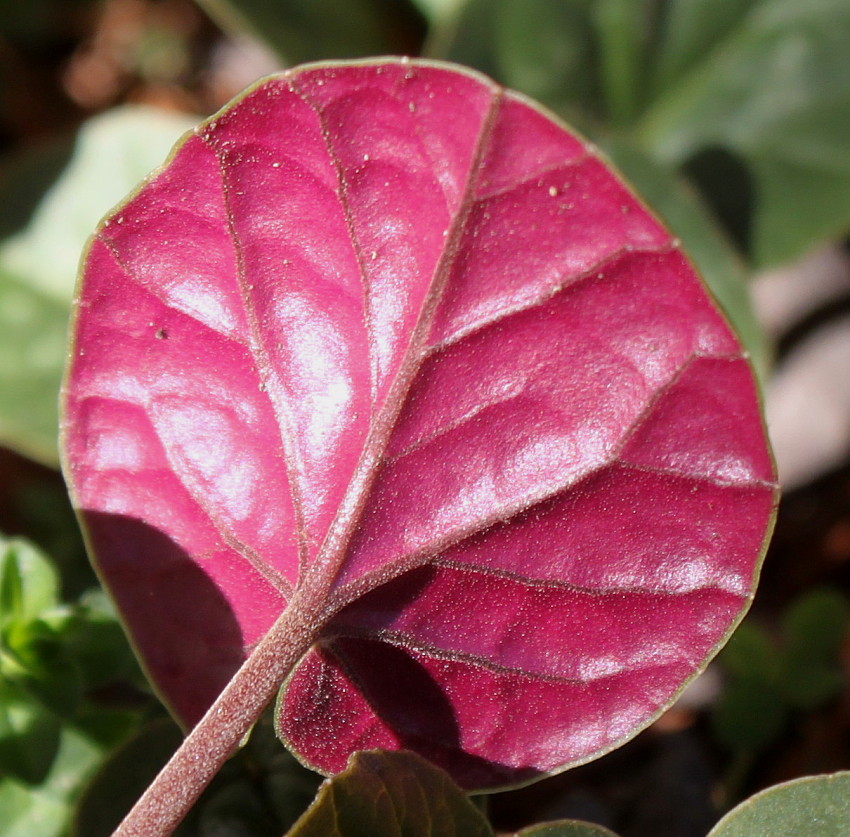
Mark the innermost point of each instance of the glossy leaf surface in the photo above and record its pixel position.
(768, 80)
(387, 344)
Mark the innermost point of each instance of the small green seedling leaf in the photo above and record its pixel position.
(28, 581)
(386, 794)
(566, 828)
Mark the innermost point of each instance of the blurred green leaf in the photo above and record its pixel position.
(436, 9)
(771, 81)
(815, 806)
(311, 30)
(689, 30)
(391, 794)
(112, 153)
(32, 352)
(767, 680)
(38, 264)
(814, 627)
(28, 582)
(543, 48)
(96, 642)
(123, 777)
(566, 828)
(751, 653)
(29, 735)
(44, 811)
(748, 715)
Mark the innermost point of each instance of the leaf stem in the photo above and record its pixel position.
(217, 735)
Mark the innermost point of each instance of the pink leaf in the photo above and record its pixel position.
(386, 342)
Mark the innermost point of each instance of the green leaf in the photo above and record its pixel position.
(816, 623)
(37, 660)
(752, 654)
(309, 30)
(97, 644)
(29, 584)
(391, 794)
(815, 806)
(815, 627)
(32, 349)
(123, 777)
(690, 31)
(29, 735)
(566, 828)
(748, 715)
(750, 712)
(543, 48)
(38, 264)
(44, 811)
(771, 81)
(436, 9)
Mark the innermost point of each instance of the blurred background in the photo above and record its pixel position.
(731, 118)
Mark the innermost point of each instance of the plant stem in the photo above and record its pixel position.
(217, 735)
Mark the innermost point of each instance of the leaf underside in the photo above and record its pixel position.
(386, 340)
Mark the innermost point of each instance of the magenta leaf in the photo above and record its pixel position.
(385, 348)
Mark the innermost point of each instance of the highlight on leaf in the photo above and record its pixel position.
(387, 366)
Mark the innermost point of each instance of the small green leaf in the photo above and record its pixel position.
(566, 828)
(816, 623)
(28, 582)
(29, 735)
(815, 806)
(391, 794)
(38, 662)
